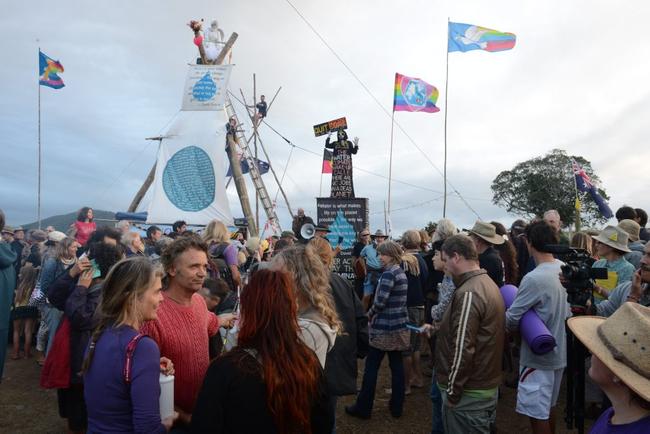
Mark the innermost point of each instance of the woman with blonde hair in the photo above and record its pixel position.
(341, 365)
(225, 254)
(55, 266)
(581, 240)
(122, 366)
(388, 317)
(24, 315)
(317, 317)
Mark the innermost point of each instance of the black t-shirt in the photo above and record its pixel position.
(233, 400)
(417, 284)
(491, 262)
(261, 108)
(357, 248)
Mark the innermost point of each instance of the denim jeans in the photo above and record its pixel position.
(436, 413)
(366, 397)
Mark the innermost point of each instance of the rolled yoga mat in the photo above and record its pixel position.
(532, 328)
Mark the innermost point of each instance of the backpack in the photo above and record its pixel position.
(221, 269)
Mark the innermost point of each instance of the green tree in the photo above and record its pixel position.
(543, 183)
(430, 227)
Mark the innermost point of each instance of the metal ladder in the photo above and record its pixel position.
(254, 172)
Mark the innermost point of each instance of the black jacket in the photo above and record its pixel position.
(341, 362)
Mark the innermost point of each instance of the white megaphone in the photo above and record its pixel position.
(307, 231)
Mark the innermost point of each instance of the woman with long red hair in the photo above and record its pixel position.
(270, 382)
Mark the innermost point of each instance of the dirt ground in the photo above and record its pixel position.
(26, 408)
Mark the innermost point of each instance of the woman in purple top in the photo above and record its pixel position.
(122, 389)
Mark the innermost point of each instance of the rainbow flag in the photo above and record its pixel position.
(48, 70)
(414, 95)
(467, 37)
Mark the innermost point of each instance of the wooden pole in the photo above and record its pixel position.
(266, 155)
(240, 184)
(226, 48)
(143, 190)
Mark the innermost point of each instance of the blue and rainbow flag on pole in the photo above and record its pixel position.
(468, 37)
(414, 95)
(48, 70)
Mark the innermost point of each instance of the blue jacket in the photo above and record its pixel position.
(389, 307)
(7, 282)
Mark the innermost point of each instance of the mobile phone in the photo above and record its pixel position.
(96, 271)
(340, 239)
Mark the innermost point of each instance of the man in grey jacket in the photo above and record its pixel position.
(541, 375)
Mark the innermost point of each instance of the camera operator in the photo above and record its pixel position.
(541, 290)
(636, 291)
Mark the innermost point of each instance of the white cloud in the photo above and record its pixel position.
(577, 80)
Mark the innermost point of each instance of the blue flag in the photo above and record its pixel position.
(467, 37)
(262, 166)
(48, 70)
(584, 184)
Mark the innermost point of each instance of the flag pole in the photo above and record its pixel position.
(390, 161)
(444, 175)
(578, 208)
(39, 149)
(320, 192)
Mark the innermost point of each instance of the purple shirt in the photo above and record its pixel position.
(604, 426)
(114, 406)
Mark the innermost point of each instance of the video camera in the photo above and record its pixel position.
(578, 274)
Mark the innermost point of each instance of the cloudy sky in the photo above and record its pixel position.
(576, 80)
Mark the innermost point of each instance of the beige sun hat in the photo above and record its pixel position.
(56, 236)
(632, 228)
(621, 342)
(614, 237)
(487, 231)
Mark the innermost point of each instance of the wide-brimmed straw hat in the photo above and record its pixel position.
(378, 234)
(621, 342)
(614, 237)
(486, 231)
(8, 230)
(56, 236)
(632, 228)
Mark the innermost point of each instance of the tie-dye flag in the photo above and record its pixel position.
(414, 95)
(48, 70)
(467, 37)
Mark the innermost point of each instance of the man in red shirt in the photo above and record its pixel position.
(184, 323)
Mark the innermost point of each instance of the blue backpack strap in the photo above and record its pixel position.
(130, 349)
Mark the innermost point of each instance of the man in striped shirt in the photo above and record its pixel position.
(469, 342)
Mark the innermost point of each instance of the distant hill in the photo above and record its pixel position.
(63, 222)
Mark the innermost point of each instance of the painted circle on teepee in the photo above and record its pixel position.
(205, 89)
(188, 179)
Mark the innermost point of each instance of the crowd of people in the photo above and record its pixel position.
(262, 335)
